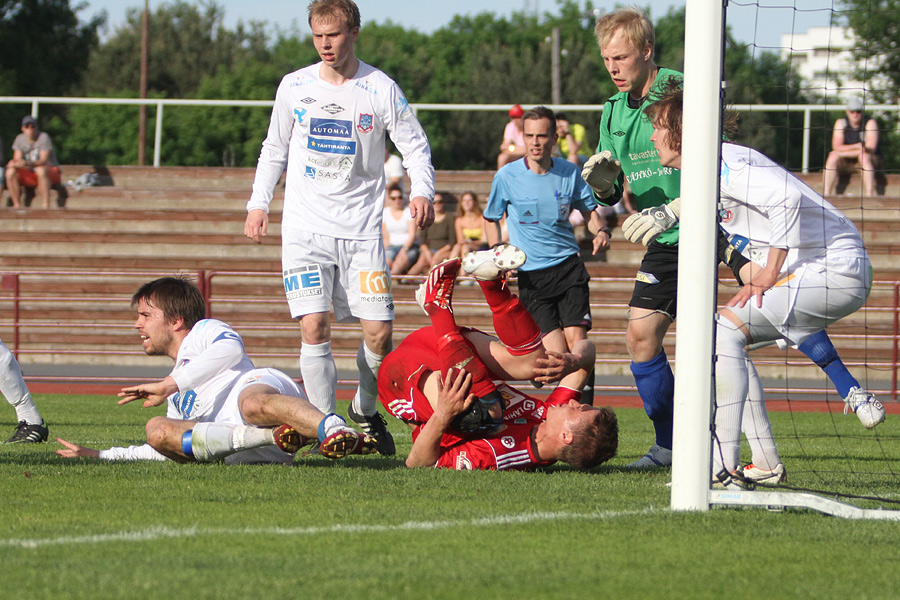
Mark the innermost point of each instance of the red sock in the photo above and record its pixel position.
(513, 323)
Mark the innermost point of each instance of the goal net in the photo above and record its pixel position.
(834, 462)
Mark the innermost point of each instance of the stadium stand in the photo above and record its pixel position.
(67, 274)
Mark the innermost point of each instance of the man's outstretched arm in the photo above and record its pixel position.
(453, 398)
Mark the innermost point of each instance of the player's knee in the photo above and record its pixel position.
(157, 430)
(730, 340)
(642, 345)
(253, 407)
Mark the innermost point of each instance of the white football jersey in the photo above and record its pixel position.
(332, 140)
(762, 205)
(210, 360)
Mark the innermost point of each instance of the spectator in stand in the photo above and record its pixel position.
(33, 164)
(513, 145)
(572, 143)
(437, 241)
(470, 234)
(399, 232)
(854, 142)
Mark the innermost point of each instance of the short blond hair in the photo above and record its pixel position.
(345, 11)
(633, 22)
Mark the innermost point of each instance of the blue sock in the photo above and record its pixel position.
(656, 385)
(186, 446)
(820, 350)
(330, 420)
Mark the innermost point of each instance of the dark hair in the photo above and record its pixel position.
(540, 112)
(596, 441)
(343, 10)
(175, 297)
(394, 187)
(667, 111)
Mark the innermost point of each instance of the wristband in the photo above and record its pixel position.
(605, 230)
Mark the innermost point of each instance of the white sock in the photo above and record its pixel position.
(329, 425)
(732, 383)
(755, 424)
(210, 441)
(365, 402)
(13, 388)
(319, 375)
(245, 437)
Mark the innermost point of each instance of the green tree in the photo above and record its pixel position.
(43, 46)
(44, 50)
(186, 43)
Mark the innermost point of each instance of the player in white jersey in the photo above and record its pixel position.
(810, 270)
(328, 128)
(218, 404)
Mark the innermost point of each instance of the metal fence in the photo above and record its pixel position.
(160, 103)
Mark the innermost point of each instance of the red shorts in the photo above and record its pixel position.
(401, 372)
(28, 178)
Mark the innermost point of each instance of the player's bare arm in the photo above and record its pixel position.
(153, 394)
(453, 398)
(597, 227)
(75, 451)
(761, 280)
(256, 226)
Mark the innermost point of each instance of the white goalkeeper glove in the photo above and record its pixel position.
(600, 172)
(644, 226)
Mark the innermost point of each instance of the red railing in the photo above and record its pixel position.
(11, 292)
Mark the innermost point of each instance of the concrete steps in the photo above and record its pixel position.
(93, 255)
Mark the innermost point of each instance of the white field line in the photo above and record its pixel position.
(155, 533)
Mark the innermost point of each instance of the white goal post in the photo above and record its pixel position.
(694, 381)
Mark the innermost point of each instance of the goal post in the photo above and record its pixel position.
(691, 451)
(697, 303)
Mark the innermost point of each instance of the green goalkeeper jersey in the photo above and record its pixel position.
(625, 132)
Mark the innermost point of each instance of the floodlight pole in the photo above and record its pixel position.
(697, 263)
(145, 59)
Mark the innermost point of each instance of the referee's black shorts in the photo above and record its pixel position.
(558, 296)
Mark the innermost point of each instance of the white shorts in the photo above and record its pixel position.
(231, 413)
(352, 275)
(808, 299)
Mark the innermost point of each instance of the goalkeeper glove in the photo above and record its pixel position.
(644, 226)
(600, 172)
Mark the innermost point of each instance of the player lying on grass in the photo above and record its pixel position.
(447, 383)
(219, 405)
(810, 270)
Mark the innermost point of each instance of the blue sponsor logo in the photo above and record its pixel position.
(184, 403)
(300, 113)
(366, 86)
(331, 128)
(310, 172)
(402, 106)
(331, 146)
(302, 281)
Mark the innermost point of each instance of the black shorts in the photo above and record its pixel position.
(558, 296)
(656, 283)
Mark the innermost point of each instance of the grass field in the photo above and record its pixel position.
(368, 528)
